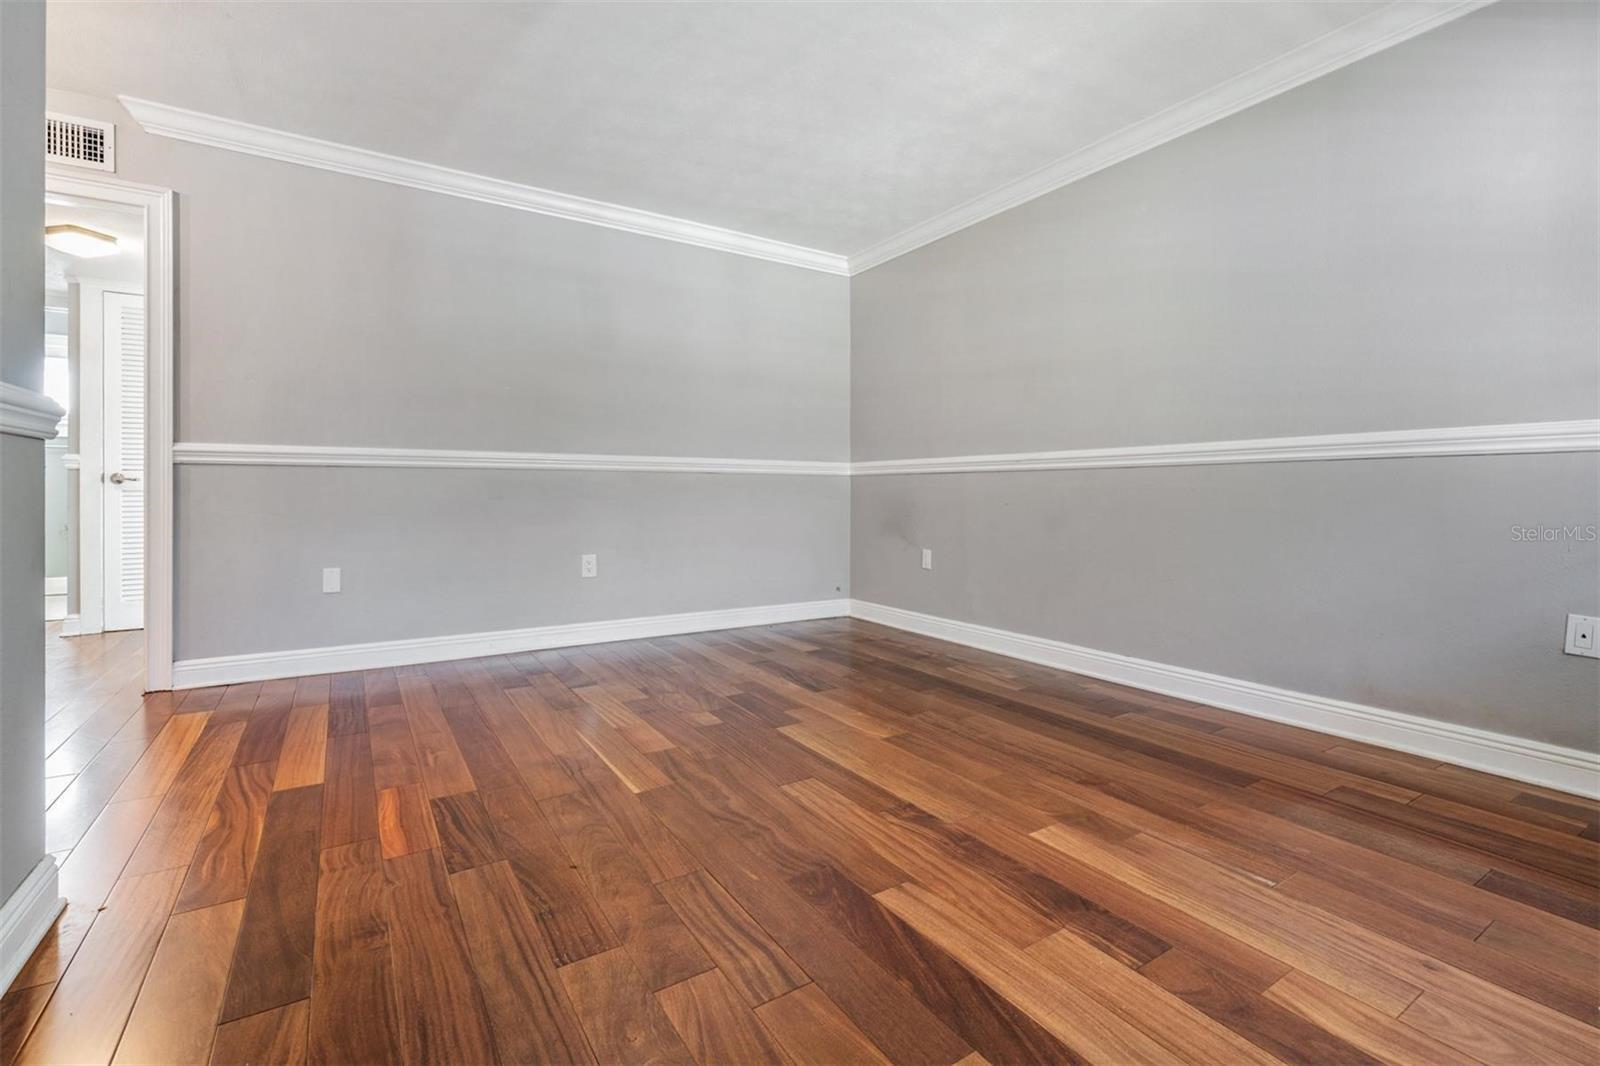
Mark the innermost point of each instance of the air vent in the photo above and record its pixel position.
(82, 142)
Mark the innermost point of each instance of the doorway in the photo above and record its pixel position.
(108, 473)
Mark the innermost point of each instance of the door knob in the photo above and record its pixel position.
(119, 477)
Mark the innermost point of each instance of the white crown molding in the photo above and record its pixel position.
(444, 459)
(1384, 28)
(26, 917)
(214, 131)
(1567, 769)
(25, 413)
(1511, 439)
(233, 669)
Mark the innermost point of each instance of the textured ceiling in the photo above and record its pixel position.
(832, 126)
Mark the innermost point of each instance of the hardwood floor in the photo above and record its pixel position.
(826, 842)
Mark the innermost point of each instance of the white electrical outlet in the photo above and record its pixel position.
(927, 558)
(589, 566)
(330, 579)
(1581, 639)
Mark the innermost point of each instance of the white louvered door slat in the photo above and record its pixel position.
(124, 446)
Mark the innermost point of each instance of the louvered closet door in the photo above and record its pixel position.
(124, 460)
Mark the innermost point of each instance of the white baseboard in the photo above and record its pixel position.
(26, 917)
(262, 666)
(1567, 769)
(71, 626)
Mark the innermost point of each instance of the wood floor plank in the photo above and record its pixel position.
(444, 771)
(1083, 1024)
(85, 1017)
(529, 1012)
(813, 1029)
(1270, 1026)
(405, 821)
(662, 948)
(274, 1037)
(440, 1013)
(394, 753)
(175, 1016)
(1187, 1031)
(573, 924)
(716, 1025)
(1354, 1022)
(272, 964)
(152, 775)
(751, 960)
(464, 832)
(891, 1017)
(304, 757)
(1335, 951)
(186, 807)
(352, 1016)
(976, 1012)
(624, 1022)
(349, 797)
(220, 867)
(347, 705)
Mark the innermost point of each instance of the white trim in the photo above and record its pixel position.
(72, 461)
(1567, 769)
(55, 586)
(231, 669)
(1510, 439)
(1388, 26)
(25, 413)
(157, 205)
(217, 132)
(27, 916)
(72, 626)
(440, 458)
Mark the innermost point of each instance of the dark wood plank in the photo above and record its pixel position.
(349, 796)
(757, 967)
(465, 835)
(616, 1009)
(662, 948)
(352, 1008)
(272, 962)
(532, 1019)
(1264, 1023)
(272, 1038)
(439, 1011)
(572, 922)
(894, 1020)
(716, 1025)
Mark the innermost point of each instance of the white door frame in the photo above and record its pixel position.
(158, 293)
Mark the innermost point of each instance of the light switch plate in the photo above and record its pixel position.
(330, 579)
(927, 558)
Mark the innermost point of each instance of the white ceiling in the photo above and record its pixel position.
(832, 126)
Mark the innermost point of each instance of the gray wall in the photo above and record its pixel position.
(316, 308)
(440, 552)
(1407, 243)
(21, 458)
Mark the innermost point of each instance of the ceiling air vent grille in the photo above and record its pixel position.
(82, 142)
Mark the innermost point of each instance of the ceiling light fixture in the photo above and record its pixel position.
(80, 241)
